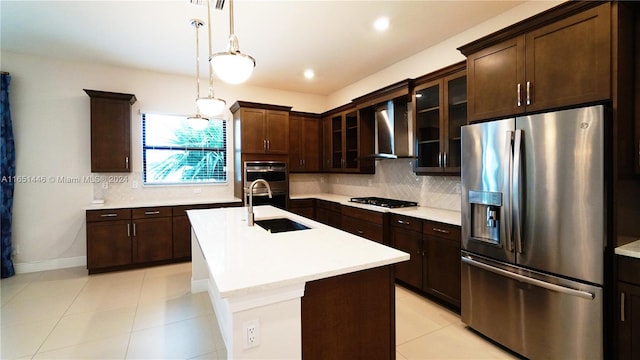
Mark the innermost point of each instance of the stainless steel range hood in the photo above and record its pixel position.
(393, 131)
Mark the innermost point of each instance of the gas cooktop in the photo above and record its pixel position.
(388, 203)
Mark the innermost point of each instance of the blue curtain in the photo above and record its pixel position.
(8, 171)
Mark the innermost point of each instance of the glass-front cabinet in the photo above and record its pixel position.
(346, 140)
(440, 108)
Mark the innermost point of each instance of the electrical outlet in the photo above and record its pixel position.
(197, 191)
(105, 185)
(135, 184)
(251, 334)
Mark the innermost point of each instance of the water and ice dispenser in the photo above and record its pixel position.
(485, 215)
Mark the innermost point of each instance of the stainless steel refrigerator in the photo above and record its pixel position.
(534, 232)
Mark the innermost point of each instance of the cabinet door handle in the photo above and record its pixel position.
(440, 230)
(528, 92)
(404, 222)
(622, 307)
(360, 232)
(445, 159)
(152, 212)
(134, 229)
(128, 230)
(519, 102)
(440, 159)
(109, 215)
(126, 162)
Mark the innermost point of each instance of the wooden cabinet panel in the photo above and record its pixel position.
(409, 241)
(181, 237)
(108, 244)
(253, 131)
(110, 131)
(108, 215)
(263, 128)
(337, 321)
(147, 213)
(628, 321)
(366, 229)
(627, 314)
(152, 239)
(328, 213)
(305, 133)
(493, 77)
(565, 62)
(347, 137)
(303, 207)
(583, 42)
(443, 269)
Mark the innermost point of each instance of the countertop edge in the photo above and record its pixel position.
(630, 250)
(143, 204)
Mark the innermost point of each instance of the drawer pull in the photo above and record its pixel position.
(109, 215)
(152, 212)
(404, 222)
(134, 229)
(622, 318)
(441, 231)
(360, 232)
(128, 230)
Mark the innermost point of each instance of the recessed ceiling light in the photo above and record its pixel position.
(381, 23)
(309, 74)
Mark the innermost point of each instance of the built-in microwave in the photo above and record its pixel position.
(275, 173)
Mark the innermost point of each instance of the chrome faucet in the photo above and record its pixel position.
(250, 221)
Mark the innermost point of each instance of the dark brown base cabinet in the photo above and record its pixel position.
(628, 306)
(365, 223)
(120, 239)
(350, 316)
(303, 207)
(434, 267)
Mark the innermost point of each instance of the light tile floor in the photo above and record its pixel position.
(151, 314)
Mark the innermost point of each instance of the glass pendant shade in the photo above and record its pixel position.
(198, 122)
(210, 106)
(232, 66)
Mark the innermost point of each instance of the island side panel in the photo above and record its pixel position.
(350, 316)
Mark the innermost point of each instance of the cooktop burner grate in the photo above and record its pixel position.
(388, 203)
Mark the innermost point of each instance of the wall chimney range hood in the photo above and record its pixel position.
(393, 130)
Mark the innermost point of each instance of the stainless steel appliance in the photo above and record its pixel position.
(275, 173)
(534, 232)
(388, 203)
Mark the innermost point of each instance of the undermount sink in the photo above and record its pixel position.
(280, 225)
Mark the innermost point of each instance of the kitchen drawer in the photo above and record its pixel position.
(328, 205)
(406, 222)
(360, 227)
(629, 269)
(441, 230)
(151, 212)
(108, 215)
(362, 214)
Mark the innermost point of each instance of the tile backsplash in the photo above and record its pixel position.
(393, 179)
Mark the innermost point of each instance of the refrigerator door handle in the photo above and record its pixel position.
(516, 188)
(508, 151)
(528, 280)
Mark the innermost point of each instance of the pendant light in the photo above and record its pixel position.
(210, 106)
(198, 121)
(232, 66)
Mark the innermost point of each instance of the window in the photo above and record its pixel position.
(179, 150)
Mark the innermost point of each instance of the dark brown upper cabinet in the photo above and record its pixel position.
(305, 132)
(264, 129)
(110, 131)
(439, 102)
(559, 58)
(346, 139)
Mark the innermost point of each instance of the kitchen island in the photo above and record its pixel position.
(314, 293)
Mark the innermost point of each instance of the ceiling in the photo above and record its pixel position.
(334, 38)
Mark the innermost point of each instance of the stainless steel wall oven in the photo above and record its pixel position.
(275, 173)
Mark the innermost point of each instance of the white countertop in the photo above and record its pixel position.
(244, 259)
(421, 212)
(630, 249)
(161, 202)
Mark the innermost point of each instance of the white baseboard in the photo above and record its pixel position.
(52, 264)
